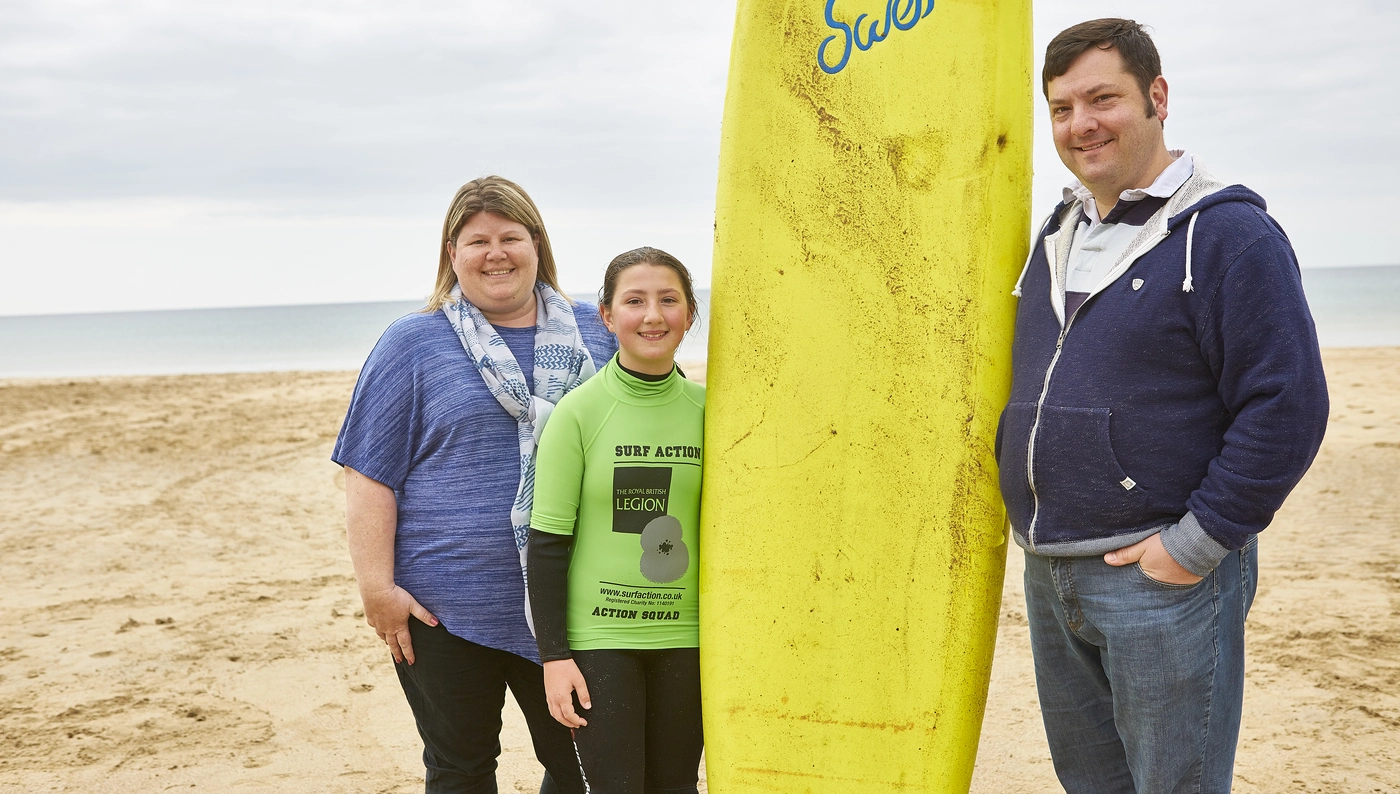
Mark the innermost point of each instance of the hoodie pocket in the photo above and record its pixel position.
(1077, 478)
(1013, 436)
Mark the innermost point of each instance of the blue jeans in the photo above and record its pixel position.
(1141, 683)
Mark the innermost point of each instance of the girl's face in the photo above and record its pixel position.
(649, 316)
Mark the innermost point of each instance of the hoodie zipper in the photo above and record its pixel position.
(1035, 427)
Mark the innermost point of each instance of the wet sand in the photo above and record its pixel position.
(179, 611)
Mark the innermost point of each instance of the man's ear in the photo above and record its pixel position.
(1157, 96)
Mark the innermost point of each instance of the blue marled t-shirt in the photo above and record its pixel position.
(422, 422)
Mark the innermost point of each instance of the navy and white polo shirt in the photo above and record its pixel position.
(1100, 243)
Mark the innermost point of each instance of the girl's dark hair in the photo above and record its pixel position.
(646, 255)
(1134, 46)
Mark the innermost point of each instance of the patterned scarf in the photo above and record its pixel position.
(562, 362)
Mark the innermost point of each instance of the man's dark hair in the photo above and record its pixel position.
(1135, 47)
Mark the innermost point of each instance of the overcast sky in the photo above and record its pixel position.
(172, 153)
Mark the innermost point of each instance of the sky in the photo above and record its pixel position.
(178, 154)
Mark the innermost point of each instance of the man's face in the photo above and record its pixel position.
(1107, 133)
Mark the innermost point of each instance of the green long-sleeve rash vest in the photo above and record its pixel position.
(618, 466)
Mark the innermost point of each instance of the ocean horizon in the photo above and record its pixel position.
(1352, 307)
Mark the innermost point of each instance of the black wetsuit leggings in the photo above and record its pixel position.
(643, 734)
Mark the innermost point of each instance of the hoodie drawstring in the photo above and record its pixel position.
(1190, 234)
(1016, 290)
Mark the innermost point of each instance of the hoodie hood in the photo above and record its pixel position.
(1219, 195)
(1194, 197)
(1200, 191)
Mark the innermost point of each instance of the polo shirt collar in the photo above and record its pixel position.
(1167, 183)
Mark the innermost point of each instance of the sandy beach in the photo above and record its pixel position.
(179, 610)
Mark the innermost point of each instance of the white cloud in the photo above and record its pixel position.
(318, 100)
(144, 128)
(319, 142)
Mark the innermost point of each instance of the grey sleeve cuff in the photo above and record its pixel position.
(1191, 547)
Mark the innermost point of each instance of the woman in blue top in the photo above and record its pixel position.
(438, 449)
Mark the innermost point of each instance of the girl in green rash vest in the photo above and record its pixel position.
(614, 546)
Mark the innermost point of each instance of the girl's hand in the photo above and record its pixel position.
(561, 679)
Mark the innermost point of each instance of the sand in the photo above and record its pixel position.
(179, 611)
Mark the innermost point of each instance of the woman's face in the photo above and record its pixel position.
(649, 315)
(496, 260)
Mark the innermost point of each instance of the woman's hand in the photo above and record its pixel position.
(561, 679)
(387, 612)
(371, 520)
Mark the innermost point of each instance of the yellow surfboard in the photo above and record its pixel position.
(872, 217)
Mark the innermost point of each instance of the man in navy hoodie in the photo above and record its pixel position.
(1167, 395)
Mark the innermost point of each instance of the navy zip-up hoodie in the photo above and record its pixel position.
(1185, 397)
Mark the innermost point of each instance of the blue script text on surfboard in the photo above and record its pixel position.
(895, 18)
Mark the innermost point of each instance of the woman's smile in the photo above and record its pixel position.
(496, 261)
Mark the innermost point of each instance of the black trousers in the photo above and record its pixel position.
(644, 734)
(456, 689)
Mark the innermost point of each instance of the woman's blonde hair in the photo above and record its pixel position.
(505, 198)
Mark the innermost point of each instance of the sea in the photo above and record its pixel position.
(1352, 306)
